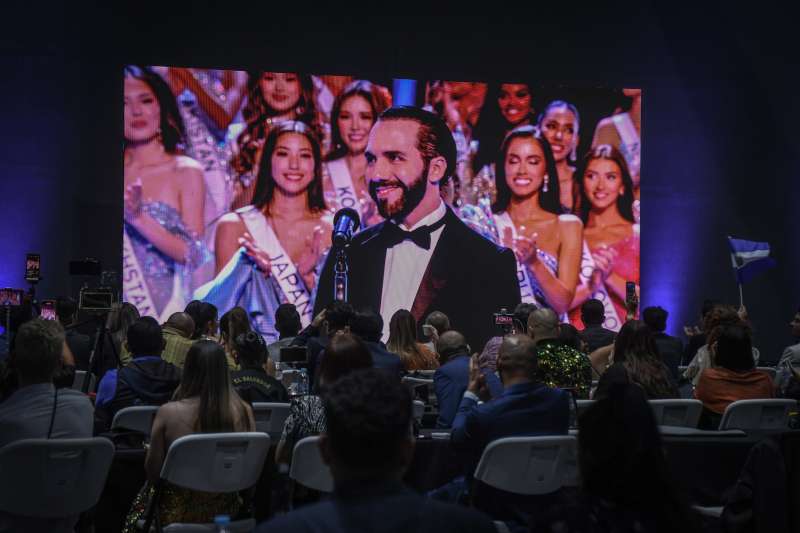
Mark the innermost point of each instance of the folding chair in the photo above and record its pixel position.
(138, 418)
(53, 478)
(211, 462)
(684, 413)
(757, 414)
(419, 410)
(77, 382)
(307, 467)
(270, 417)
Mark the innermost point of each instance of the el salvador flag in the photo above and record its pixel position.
(749, 258)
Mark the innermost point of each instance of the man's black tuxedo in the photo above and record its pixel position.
(468, 278)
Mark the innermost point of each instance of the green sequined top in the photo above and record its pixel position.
(564, 367)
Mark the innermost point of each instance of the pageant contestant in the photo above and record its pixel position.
(559, 123)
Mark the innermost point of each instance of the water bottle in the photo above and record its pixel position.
(223, 522)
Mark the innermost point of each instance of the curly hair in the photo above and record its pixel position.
(258, 114)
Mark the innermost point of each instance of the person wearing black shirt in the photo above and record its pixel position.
(252, 382)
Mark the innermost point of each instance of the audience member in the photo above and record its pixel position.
(288, 326)
(790, 358)
(733, 377)
(695, 335)
(177, 332)
(439, 323)
(233, 323)
(205, 319)
(636, 360)
(205, 402)
(720, 315)
(403, 342)
(625, 483)
(368, 444)
(334, 318)
(345, 352)
(37, 410)
(669, 348)
(251, 381)
(488, 357)
(114, 354)
(368, 326)
(79, 344)
(560, 366)
(594, 334)
(146, 380)
(569, 335)
(451, 379)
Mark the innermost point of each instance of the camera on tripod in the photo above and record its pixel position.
(101, 298)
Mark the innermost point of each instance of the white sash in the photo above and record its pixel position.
(346, 195)
(612, 320)
(136, 291)
(630, 141)
(283, 269)
(502, 221)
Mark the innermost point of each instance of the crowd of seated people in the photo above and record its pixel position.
(522, 384)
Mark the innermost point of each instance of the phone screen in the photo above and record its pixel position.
(630, 291)
(48, 310)
(32, 267)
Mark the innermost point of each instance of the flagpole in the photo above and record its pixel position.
(741, 296)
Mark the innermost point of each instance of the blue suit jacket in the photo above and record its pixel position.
(384, 359)
(451, 380)
(522, 410)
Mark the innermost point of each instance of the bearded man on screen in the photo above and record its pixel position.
(422, 257)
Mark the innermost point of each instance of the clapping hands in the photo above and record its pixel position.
(524, 247)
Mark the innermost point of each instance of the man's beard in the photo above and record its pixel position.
(411, 198)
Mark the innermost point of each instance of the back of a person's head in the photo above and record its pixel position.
(592, 312)
(707, 307)
(522, 312)
(655, 318)
(569, 335)
(402, 331)
(37, 350)
(203, 313)
(543, 323)
(621, 459)
(121, 317)
(368, 433)
(439, 321)
(287, 320)
(338, 315)
(181, 321)
(65, 310)
(634, 341)
(206, 376)
(367, 324)
(517, 357)
(734, 348)
(233, 323)
(451, 343)
(720, 315)
(145, 337)
(344, 353)
(250, 349)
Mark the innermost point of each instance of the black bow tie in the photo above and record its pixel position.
(394, 234)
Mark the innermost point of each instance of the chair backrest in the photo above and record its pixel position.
(769, 370)
(216, 462)
(53, 477)
(757, 414)
(137, 418)
(77, 382)
(270, 417)
(583, 405)
(528, 465)
(417, 382)
(684, 413)
(419, 410)
(307, 468)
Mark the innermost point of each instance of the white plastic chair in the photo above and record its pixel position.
(529, 465)
(417, 382)
(307, 467)
(212, 462)
(757, 414)
(419, 410)
(138, 418)
(270, 417)
(684, 413)
(53, 478)
(77, 381)
(769, 370)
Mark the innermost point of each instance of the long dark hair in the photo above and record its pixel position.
(403, 340)
(257, 114)
(549, 200)
(636, 350)
(368, 92)
(625, 200)
(344, 353)
(232, 324)
(171, 124)
(206, 376)
(265, 184)
(120, 318)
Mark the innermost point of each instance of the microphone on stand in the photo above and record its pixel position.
(345, 223)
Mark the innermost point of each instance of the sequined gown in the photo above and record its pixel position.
(167, 280)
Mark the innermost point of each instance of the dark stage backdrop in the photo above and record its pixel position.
(719, 111)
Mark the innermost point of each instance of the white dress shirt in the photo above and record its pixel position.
(404, 268)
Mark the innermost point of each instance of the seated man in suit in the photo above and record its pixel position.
(422, 257)
(451, 379)
(146, 380)
(368, 444)
(789, 365)
(368, 325)
(669, 348)
(594, 334)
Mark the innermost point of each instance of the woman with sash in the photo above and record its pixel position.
(354, 112)
(611, 236)
(272, 98)
(559, 123)
(526, 217)
(267, 253)
(164, 197)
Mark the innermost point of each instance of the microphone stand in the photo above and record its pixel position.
(341, 274)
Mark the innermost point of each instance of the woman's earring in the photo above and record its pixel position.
(573, 156)
(545, 182)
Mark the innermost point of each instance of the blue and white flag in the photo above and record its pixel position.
(749, 258)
